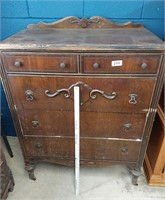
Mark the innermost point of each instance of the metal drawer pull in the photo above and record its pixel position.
(107, 96)
(132, 98)
(39, 146)
(29, 95)
(127, 127)
(92, 92)
(124, 151)
(62, 65)
(17, 63)
(35, 124)
(96, 65)
(144, 65)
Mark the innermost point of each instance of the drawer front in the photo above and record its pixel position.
(92, 124)
(89, 148)
(120, 63)
(40, 62)
(97, 94)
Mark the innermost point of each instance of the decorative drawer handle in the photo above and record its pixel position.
(144, 65)
(132, 98)
(35, 124)
(107, 96)
(124, 151)
(96, 65)
(62, 65)
(29, 95)
(127, 127)
(18, 63)
(39, 146)
(92, 92)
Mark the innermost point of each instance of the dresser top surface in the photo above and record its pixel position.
(84, 40)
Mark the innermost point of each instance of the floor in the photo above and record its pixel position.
(57, 182)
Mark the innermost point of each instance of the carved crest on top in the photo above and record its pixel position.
(93, 22)
(84, 22)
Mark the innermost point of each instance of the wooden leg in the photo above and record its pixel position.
(30, 169)
(11, 187)
(135, 175)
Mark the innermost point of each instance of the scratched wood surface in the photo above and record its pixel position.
(124, 126)
(83, 40)
(84, 63)
(90, 149)
(121, 86)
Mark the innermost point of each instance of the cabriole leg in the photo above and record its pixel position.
(135, 175)
(30, 170)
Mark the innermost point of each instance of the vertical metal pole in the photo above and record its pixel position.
(77, 138)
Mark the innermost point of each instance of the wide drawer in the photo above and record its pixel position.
(120, 63)
(92, 124)
(31, 62)
(101, 94)
(89, 148)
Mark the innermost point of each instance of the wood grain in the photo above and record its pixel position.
(40, 94)
(122, 86)
(60, 123)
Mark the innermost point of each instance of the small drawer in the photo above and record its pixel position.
(35, 62)
(120, 63)
(95, 149)
(59, 147)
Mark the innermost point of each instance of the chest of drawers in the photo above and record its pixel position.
(119, 70)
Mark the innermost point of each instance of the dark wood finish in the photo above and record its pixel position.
(131, 63)
(90, 148)
(6, 178)
(154, 164)
(122, 86)
(60, 123)
(42, 64)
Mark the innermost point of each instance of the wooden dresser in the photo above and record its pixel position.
(6, 177)
(119, 70)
